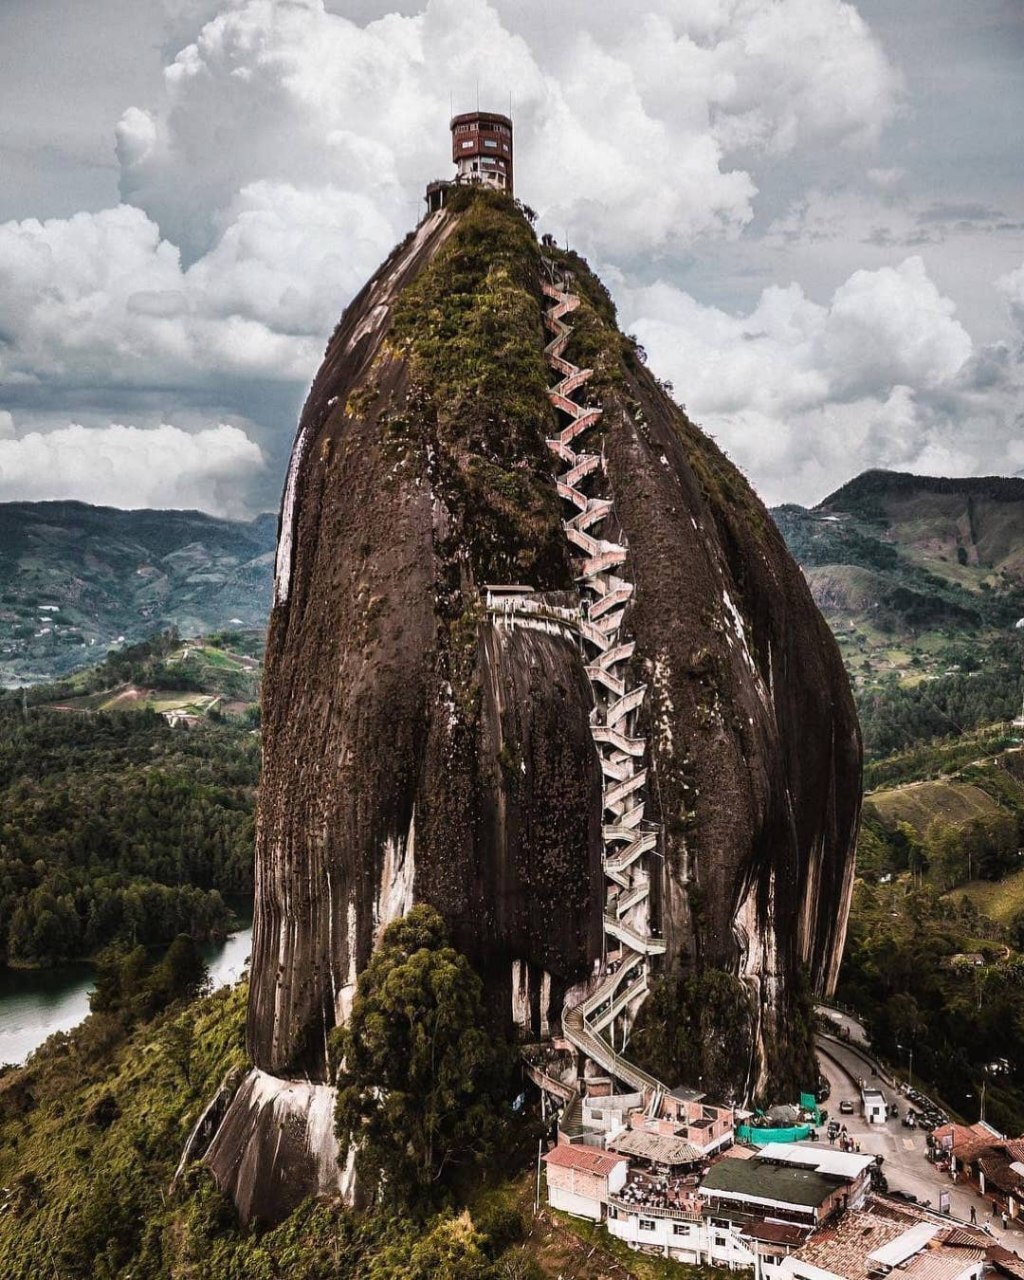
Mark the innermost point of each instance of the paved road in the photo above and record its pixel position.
(903, 1150)
(852, 1027)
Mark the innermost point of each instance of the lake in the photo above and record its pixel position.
(34, 1003)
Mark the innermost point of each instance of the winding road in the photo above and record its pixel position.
(903, 1150)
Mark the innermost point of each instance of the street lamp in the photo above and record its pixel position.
(910, 1063)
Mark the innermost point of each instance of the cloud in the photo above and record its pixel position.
(886, 177)
(102, 298)
(802, 394)
(1012, 288)
(623, 124)
(123, 466)
(288, 153)
(890, 327)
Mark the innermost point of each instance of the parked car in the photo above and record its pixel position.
(905, 1196)
(833, 1128)
(846, 1107)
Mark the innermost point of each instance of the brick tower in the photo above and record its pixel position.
(482, 148)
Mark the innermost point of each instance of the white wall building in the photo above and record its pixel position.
(581, 1180)
(874, 1106)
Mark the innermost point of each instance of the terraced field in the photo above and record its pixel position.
(1000, 900)
(920, 803)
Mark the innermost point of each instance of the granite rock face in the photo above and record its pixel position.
(416, 749)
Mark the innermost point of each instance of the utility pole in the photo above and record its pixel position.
(536, 1198)
(910, 1062)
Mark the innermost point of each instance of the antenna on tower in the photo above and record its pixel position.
(478, 93)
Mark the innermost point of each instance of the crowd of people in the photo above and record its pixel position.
(665, 1191)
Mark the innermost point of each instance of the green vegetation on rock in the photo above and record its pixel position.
(695, 1027)
(472, 325)
(423, 1086)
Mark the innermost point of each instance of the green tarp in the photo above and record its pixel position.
(809, 1102)
(762, 1137)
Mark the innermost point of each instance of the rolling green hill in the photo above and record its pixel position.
(902, 557)
(77, 580)
(922, 580)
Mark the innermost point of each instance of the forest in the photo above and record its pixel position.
(902, 974)
(980, 687)
(115, 826)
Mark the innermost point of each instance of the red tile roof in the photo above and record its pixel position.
(1005, 1262)
(943, 1264)
(843, 1247)
(586, 1159)
(776, 1232)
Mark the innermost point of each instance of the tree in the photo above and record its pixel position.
(948, 858)
(182, 974)
(696, 1027)
(179, 1044)
(422, 1088)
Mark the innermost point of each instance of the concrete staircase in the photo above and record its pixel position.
(605, 1016)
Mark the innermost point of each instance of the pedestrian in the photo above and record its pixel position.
(974, 1216)
(1004, 1218)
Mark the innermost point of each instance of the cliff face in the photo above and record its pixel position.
(752, 728)
(417, 749)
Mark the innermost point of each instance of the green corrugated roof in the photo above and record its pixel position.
(764, 1181)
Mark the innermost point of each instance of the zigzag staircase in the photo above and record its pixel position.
(628, 838)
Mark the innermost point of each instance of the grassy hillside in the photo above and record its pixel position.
(218, 673)
(91, 1131)
(1001, 901)
(921, 803)
(949, 813)
(76, 580)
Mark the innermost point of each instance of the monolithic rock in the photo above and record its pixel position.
(418, 750)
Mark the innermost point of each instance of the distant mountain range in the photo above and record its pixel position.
(76, 580)
(914, 561)
(898, 563)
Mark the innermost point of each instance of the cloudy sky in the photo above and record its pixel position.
(810, 212)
